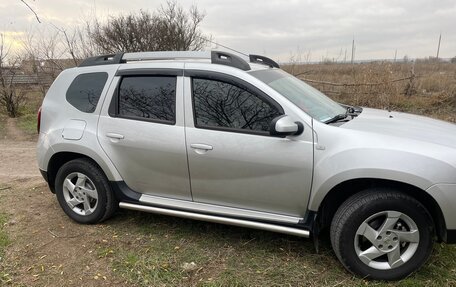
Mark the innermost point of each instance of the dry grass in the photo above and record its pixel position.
(431, 92)
(159, 246)
(139, 249)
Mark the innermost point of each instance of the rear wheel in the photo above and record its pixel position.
(382, 234)
(84, 193)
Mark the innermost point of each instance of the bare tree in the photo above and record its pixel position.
(169, 28)
(45, 48)
(76, 43)
(51, 50)
(45, 51)
(11, 97)
(180, 30)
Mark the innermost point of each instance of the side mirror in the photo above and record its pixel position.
(283, 126)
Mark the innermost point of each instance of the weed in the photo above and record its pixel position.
(27, 123)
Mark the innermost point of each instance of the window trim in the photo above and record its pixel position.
(113, 109)
(220, 77)
(150, 72)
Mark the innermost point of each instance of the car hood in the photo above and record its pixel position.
(404, 126)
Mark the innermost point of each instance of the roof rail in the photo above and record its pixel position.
(216, 57)
(228, 59)
(103, 60)
(172, 55)
(263, 60)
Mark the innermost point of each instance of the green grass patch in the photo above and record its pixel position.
(4, 241)
(33, 101)
(153, 250)
(27, 123)
(2, 126)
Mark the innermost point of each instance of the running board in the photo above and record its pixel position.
(218, 219)
(218, 210)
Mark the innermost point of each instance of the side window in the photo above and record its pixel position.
(219, 104)
(85, 91)
(148, 97)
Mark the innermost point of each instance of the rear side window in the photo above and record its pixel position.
(85, 91)
(148, 98)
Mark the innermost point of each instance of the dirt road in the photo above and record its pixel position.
(17, 155)
(18, 160)
(46, 247)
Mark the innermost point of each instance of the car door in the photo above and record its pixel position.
(143, 132)
(233, 161)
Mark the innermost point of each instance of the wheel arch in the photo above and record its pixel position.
(342, 191)
(59, 159)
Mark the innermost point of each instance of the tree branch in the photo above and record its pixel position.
(33, 11)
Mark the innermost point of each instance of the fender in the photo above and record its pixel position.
(89, 147)
(411, 168)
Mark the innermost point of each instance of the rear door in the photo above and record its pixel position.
(233, 160)
(142, 132)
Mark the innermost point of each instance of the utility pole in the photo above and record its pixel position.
(438, 47)
(345, 57)
(395, 56)
(353, 50)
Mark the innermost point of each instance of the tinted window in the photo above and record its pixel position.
(220, 104)
(148, 97)
(85, 91)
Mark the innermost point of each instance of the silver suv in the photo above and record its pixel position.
(216, 137)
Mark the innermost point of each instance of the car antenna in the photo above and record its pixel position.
(224, 46)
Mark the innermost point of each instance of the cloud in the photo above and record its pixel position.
(279, 27)
(12, 39)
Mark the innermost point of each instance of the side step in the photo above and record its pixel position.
(218, 219)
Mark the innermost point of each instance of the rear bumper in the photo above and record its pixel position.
(44, 175)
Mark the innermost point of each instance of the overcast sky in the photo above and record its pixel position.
(279, 28)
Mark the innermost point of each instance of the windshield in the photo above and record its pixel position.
(309, 99)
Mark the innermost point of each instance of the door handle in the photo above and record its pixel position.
(115, 136)
(205, 147)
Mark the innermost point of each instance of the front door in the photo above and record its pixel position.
(233, 161)
(143, 134)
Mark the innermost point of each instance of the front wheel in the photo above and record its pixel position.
(382, 235)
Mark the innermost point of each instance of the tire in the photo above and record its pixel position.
(382, 234)
(84, 193)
